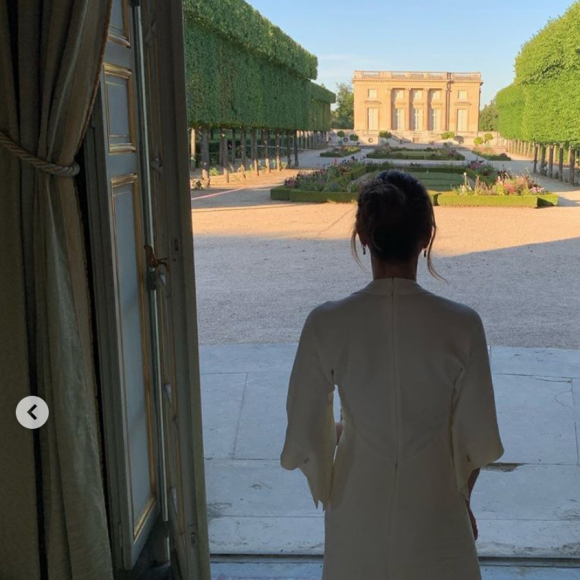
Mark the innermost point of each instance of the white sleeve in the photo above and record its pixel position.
(311, 432)
(475, 432)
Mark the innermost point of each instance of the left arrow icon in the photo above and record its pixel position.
(32, 412)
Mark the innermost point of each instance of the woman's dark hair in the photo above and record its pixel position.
(396, 215)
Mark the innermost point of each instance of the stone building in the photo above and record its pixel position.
(418, 106)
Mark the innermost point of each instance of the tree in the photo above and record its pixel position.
(343, 115)
(488, 118)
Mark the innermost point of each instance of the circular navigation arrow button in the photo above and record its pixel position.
(32, 412)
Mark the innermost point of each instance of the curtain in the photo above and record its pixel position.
(50, 59)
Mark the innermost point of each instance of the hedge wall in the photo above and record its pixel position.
(236, 21)
(543, 102)
(242, 71)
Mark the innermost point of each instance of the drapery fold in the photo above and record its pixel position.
(50, 59)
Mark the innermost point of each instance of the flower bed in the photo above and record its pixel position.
(344, 151)
(505, 191)
(473, 185)
(436, 154)
(490, 155)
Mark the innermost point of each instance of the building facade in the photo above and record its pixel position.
(418, 106)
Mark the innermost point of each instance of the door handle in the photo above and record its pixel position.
(153, 261)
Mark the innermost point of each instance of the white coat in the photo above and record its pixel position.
(414, 380)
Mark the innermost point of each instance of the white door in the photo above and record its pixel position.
(373, 119)
(142, 250)
(462, 119)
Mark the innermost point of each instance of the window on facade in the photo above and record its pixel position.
(399, 119)
(398, 94)
(435, 119)
(436, 95)
(372, 93)
(462, 95)
(372, 119)
(462, 119)
(417, 119)
(417, 95)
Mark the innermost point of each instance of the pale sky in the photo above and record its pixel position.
(422, 35)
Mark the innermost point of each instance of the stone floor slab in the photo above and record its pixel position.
(222, 395)
(246, 358)
(549, 493)
(313, 571)
(544, 362)
(257, 507)
(250, 488)
(536, 419)
(263, 416)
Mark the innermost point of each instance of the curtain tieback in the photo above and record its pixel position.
(43, 165)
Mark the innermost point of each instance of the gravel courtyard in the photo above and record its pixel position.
(262, 265)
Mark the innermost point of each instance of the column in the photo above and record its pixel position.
(445, 109)
(388, 110)
(407, 109)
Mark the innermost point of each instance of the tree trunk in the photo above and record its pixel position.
(288, 149)
(234, 148)
(205, 155)
(295, 143)
(572, 177)
(561, 163)
(224, 151)
(535, 170)
(551, 162)
(278, 152)
(267, 151)
(542, 159)
(243, 148)
(192, 149)
(255, 160)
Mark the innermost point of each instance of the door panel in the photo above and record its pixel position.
(128, 393)
(171, 206)
(142, 257)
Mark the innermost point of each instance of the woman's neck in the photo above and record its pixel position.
(383, 270)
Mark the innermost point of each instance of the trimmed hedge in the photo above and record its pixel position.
(542, 103)
(437, 198)
(242, 71)
(423, 155)
(237, 22)
(450, 199)
(296, 195)
(331, 154)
